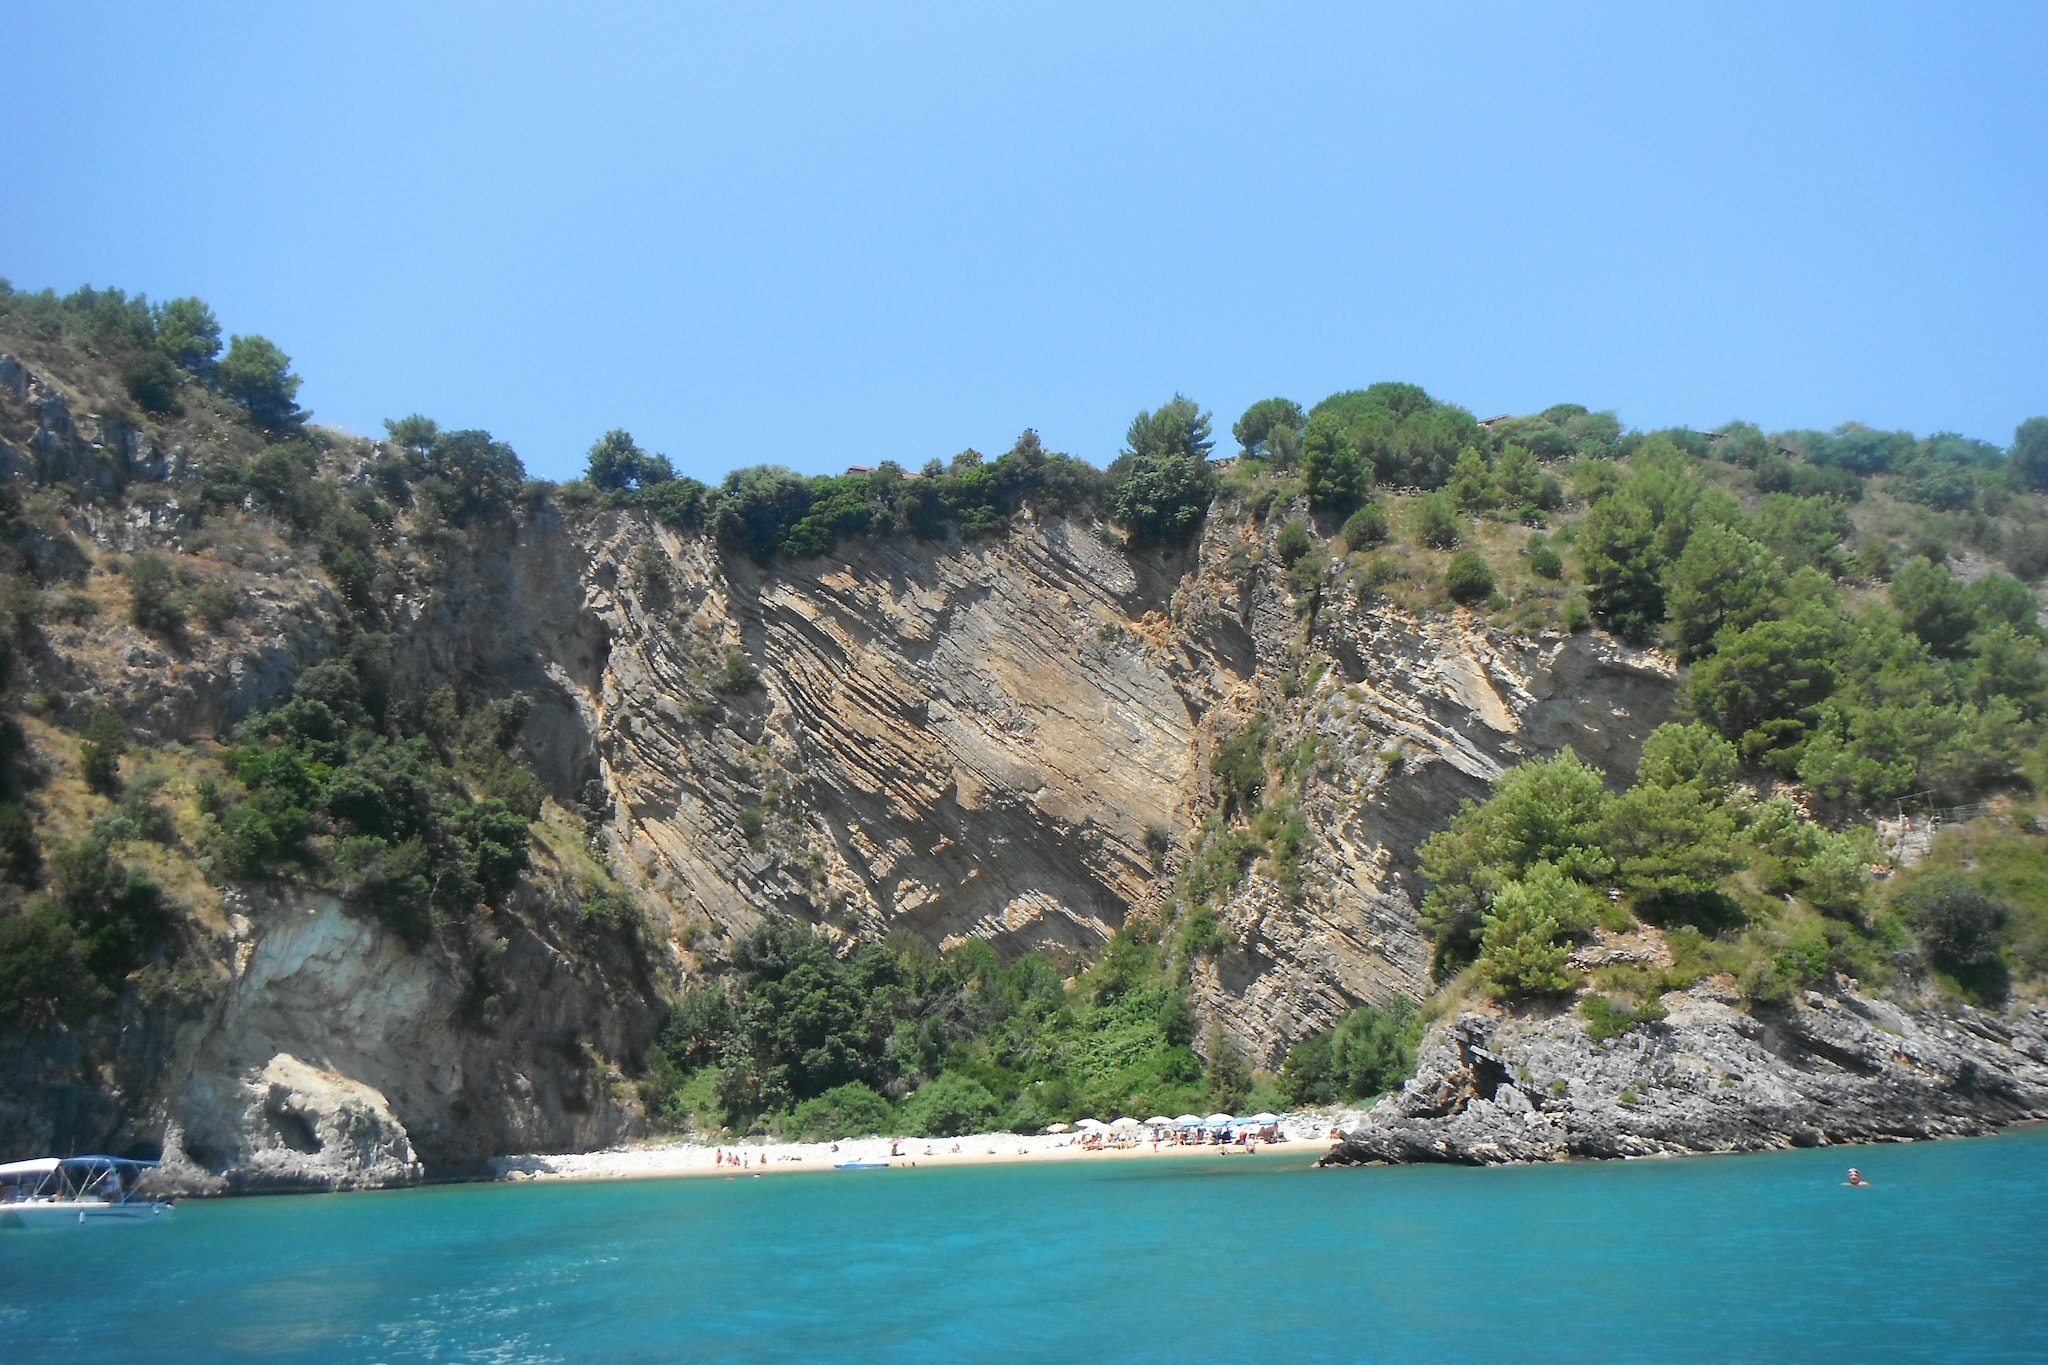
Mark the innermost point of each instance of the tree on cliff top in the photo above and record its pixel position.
(1260, 418)
(617, 463)
(1161, 485)
(256, 374)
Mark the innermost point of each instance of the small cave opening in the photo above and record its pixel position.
(1489, 1073)
(294, 1130)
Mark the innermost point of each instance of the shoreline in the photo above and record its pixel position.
(682, 1159)
(1306, 1136)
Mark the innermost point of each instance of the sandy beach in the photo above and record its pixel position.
(1306, 1135)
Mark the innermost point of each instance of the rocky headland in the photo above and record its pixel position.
(1714, 1076)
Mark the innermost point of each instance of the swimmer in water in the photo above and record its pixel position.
(1856, 1177)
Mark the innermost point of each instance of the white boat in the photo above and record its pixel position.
(55, 1191)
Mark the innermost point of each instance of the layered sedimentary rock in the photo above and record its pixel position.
(1009, 740)
(1712, 1077)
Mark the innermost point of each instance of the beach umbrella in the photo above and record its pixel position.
(1188, 1121)
(1159, 1121)
(1058, 1127)
(1126, 1123)
(1090, 1123)
(1217, 1118)
(1263, 1117)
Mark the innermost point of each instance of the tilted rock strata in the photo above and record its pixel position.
(978, 741)
(1829, 1069)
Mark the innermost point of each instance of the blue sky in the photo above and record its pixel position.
(824, 235)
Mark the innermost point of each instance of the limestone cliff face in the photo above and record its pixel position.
(978, 740)
(339, 1056)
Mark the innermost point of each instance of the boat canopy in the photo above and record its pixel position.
(125, 1165)
(15, 1172)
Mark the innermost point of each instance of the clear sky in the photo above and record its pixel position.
(828, 234)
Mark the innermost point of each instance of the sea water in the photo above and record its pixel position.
(1765, 1258)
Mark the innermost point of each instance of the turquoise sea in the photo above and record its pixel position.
(1765, 1258)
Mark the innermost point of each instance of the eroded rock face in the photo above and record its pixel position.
(1008, 739)
(286, 1126)
(339, 1056)
(1829, 1069)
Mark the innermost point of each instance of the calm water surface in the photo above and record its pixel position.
(1731, 1258)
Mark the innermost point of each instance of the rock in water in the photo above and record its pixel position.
(1709, 1078)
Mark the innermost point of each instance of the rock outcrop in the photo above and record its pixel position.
(1007, 739)
(1829, 1068)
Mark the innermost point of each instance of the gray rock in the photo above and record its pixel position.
(1710, 1078)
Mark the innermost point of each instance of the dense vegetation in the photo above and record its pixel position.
(1852, 608)
(411, 804)
(1810, 582)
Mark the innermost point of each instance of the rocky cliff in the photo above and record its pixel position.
(979, 740)
(1714, 1076)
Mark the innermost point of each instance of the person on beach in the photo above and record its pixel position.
(1856, 1177)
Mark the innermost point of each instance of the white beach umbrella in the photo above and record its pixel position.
(1126, 1123)
(1189, 1121)
(1159, 1121)
(1217, 1118)
(1058, 1127)
(1263, 1117)
(1090, 1123)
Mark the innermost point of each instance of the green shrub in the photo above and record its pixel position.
(850, 1110)
(1956, 921)
(1202, 931)
(1468, 580)
(153, 601)
(599, 908)
(117, 911)
(1291, 542)
(73, 608)
(1519, 951)
(951, 1105)
(1365, 529)
(1434, 522)
(106, 739)
(1239, 766)
(21, 859)
(150, 818)
(1545, 562)
(45, 975)
(217, 603)
(1607, 1018)
(1158, 842)
(1370, 1052)
(740, 675)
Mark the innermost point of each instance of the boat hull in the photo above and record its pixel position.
(50, 1213)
